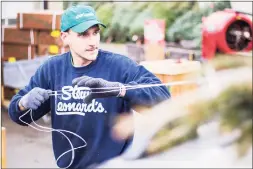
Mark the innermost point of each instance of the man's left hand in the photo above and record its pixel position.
(100, 88)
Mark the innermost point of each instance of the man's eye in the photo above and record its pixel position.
(96, 32)
(82, 34)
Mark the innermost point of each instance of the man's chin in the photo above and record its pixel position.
(91, 57)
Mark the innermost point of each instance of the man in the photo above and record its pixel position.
(86, 113)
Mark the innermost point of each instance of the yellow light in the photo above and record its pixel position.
(11, 59)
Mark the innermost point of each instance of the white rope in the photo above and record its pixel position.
(48, 129)
(132, 87)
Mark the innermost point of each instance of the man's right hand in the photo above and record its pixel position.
(33, 99)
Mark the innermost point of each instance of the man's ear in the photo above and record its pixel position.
(65, 38)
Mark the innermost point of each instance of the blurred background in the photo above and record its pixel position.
(174, 40)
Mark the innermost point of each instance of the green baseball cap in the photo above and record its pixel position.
(79, 18)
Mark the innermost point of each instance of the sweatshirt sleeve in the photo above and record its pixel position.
(137, 74)
(39, 79)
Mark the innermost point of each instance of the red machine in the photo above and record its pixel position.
(228, 31)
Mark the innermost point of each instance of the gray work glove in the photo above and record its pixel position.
(34, 98)
(113, 88)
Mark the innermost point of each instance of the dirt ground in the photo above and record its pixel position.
(26, 147)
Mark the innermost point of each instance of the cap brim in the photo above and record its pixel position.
(82, 27)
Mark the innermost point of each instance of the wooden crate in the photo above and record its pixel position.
(154, 52)
(13, 35)
(42, 20)
(171, 71)
(9, 92)
(18, 51)
(44, 49)
(6, 92)
(50, 38)
(6, 95)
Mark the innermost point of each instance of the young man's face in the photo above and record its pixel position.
(84, 44)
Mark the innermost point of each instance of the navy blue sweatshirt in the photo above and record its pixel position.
(93, 121)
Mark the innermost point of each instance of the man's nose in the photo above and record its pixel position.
(92, 40)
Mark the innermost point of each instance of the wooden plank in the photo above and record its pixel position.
(3, 155)
(18, 51)
(41, 20)
(13, 35)
(2, 94)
